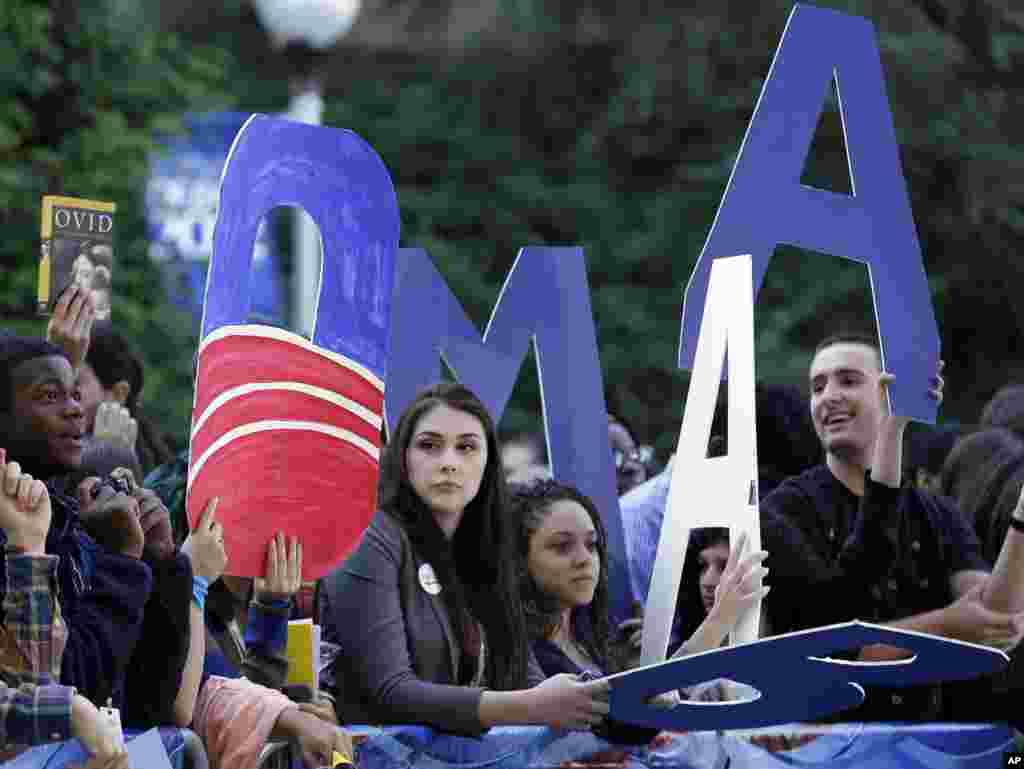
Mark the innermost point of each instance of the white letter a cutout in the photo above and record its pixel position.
(721, 491)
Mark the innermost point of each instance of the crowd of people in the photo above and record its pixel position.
(479, 593)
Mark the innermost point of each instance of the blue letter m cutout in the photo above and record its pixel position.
(545, 298)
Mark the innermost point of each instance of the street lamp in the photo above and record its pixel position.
(316, 25)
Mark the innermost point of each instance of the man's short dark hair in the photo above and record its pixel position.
(864, 338)
(15, 350)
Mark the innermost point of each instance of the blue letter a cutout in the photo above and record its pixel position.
(765, 204)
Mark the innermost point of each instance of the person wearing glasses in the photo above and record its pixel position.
(631, 461)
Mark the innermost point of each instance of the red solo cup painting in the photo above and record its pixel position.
(286, 430)
(287, 437)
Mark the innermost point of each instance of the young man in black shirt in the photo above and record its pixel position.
(847, 542)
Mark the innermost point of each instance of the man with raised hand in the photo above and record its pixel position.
(847, 542)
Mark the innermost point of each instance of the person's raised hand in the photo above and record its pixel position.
(740, 586)
(935, 391)
(70, 325)
(634, 629)
(24, 509)
(111, 516)
(155, 520)
(97, 736)
(565, 702)
(205, 545)
(967, 619)
(115, 424)
(284, 570)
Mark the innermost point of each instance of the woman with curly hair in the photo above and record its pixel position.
(563, 556)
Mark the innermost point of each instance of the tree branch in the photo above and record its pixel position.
(973, 27)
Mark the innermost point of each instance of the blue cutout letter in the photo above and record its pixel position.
(797, 679)
(546, 298)
(344, 186)
(765, 204)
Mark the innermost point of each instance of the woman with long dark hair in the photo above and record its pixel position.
(427, 609)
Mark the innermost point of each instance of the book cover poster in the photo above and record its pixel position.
(77, 248)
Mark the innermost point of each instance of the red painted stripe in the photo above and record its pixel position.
(238, 360)
(304, 484)
(278, 404)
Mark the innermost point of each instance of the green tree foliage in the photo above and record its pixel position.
(611, 125)
(622, 140)
(86, 87)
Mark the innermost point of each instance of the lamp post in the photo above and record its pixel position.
(306, 26)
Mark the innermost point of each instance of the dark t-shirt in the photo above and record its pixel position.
(836, 557)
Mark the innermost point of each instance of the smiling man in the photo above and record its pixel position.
(41, 419)
(103, 588)
(847, 542)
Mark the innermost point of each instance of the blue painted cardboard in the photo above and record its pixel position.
(344, 186)
(147, 752)
(796, 680)
(764, 203)
(545, 298)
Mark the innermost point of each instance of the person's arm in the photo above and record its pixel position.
(31, 625)
(738, 591)
(31, 616)
(873, 543)
(887, 461)
(159, 658)
(562, 701)
(205, 549)
(367, 620)
(966, 619)
(874, 538)
(266, 631)
(266, 642)
(191, 676)
(106, 590)
(969, 617)
(31, 715)
(1004, 589)
(963, 582)
(318, 740)
(104, 624)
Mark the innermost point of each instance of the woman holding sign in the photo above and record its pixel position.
(426, 610)
(563, 561)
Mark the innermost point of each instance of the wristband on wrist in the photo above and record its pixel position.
(276, 604)
(1017, 523)
(200, 587)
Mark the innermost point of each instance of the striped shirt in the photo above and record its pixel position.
(33, 709)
